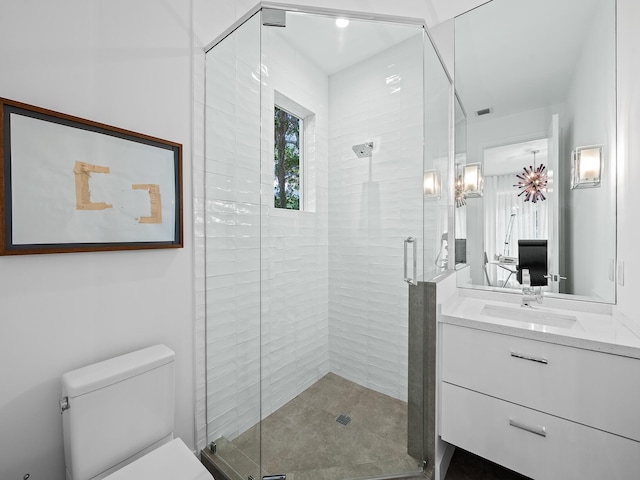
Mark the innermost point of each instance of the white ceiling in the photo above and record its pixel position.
(333, 49)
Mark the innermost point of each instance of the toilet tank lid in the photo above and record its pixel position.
(98, 375)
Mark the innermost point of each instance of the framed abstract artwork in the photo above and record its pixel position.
(73, 185)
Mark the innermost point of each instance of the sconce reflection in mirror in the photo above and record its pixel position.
(473, 181)
(459, 192)
(586, 167)
(431, 184)
(533, 181)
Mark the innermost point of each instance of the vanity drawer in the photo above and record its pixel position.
(504, 433)
(596, 389)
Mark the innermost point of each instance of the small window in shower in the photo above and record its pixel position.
(288, 129)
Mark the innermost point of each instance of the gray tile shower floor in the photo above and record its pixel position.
(304, 441)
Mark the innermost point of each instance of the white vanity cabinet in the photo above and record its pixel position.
(546, 410)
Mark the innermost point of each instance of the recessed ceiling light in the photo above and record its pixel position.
(341, 22)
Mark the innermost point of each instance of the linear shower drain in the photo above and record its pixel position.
(343, 419)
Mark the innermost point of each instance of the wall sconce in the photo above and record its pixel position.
(431, 184)
(586, 167)
(473, 181)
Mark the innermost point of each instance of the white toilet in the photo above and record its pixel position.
(117, 420)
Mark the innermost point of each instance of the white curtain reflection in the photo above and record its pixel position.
(501, 201)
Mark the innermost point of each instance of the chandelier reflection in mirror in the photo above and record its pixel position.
(533, 181)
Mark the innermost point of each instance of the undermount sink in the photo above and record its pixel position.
(534, 315)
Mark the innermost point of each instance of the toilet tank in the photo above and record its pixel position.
(114, 411)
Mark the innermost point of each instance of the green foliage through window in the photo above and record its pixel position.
(286, 185)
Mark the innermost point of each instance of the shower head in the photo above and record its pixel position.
(363, 150)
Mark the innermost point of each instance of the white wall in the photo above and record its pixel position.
(443, 36)
(125, 64)
(590, 119)
(628, 154)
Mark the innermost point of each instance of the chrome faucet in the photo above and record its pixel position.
(529, 293)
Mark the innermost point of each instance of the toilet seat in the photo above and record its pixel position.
(171, 461)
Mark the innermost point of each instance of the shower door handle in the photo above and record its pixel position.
(411, 280)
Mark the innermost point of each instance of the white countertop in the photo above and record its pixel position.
(600, 332)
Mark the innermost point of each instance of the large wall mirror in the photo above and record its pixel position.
(536, 146)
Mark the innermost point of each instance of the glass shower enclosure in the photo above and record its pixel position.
(327, 153)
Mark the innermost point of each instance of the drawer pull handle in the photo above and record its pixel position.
(529, 357)
(538, 430)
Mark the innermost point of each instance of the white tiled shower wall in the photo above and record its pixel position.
(294, 243)
(399, 100)
(374, 204)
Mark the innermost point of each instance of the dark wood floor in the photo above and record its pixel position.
(467, 466)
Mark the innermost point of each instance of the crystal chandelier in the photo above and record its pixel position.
(533, 181)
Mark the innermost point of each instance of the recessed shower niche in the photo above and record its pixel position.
(319, 130)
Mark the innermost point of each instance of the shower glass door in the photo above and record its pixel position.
(342, 169)
(320, 132)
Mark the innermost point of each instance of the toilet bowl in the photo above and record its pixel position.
(117, 419)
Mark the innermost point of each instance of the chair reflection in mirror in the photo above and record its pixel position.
(532, 255)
